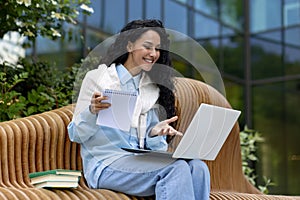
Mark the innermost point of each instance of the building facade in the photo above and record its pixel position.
(254, 43)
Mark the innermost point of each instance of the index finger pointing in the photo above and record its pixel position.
(172, 119)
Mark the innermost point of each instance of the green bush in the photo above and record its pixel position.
(29, 87)
(249, 139)
(34, 88)
(11, 101)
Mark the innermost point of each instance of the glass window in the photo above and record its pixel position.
(208, 7)
(153, 9)
(226, 31)
(94, 18)
(184, 68)
(114, 15)
(135, 9)
(292, 36)
(235, 96)
(94, 38)
(292, 124)
(266, 59)
(45, 45)
(265, 14)
(276, 118)
(292, 60)
(291, 12)
(59, 53)
(182, 1)
(268, 119)
(232, 13)
(275, 36)
(74, 41)
(175, 16)
(205, 27)
(212, 48)
(233, 56)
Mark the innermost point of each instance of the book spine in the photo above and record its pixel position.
(42, 173)
(54, 171)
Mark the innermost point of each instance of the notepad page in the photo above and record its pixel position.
(119, 115)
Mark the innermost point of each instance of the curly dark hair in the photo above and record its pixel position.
(162, 72)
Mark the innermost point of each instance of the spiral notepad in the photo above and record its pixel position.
(119, 115)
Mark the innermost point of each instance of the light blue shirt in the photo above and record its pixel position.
(100, 146)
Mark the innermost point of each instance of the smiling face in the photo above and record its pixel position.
(143, 53)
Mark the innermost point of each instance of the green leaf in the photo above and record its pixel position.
(249, 139)
(31, 110)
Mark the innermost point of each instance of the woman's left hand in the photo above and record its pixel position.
(163, 128)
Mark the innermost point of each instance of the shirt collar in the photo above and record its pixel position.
(125, 76)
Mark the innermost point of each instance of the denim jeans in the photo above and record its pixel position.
(182, 179)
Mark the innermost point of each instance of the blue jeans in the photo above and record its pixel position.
(182, 179)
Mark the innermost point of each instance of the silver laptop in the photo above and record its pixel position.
(204, 136)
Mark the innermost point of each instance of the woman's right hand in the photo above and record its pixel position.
(163, 128)
(97, 104)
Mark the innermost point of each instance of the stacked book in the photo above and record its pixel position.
(57, 178)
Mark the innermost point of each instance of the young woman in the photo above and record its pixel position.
(137, 61)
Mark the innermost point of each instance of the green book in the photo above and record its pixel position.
(57, 172)
(54, 177)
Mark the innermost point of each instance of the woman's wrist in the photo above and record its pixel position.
(91, 109)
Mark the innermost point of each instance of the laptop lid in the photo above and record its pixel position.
(206, 133)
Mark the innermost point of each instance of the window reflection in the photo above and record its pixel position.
(153, 9)
(292, 36)
(265, 14)
(232, 56)
(266, 60)
(208, 7)
(231, 12)
(269, 119)
(273, 36)
(94, 19)
(114, 15)
(292, 99)
(292, 61)
(135, 9)
(176, 16)
(205, 27)
(291, 12)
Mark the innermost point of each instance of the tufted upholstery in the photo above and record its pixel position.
(40, 142)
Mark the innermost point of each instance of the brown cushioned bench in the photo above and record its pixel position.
(40, 142)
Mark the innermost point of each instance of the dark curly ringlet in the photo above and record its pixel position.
(117, 53)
